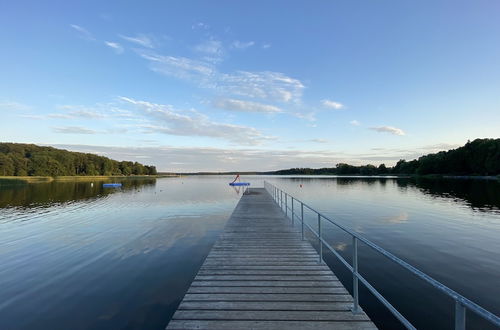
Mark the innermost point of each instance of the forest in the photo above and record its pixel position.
(479, 157)
(18, 159)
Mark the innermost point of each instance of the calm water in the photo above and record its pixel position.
(78, 256)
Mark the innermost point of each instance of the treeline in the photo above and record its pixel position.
(18, 159)
(479, 157)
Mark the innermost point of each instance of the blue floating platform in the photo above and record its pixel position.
(239, 184)
(111, 185)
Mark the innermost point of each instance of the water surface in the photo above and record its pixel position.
(76, 255)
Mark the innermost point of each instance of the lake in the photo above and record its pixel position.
(77, 255)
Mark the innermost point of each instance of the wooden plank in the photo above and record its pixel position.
(257, 325)
(269, 315)
(266, 306)
(326, 284)
(316, 266)
(266, 290)
(266, 297)
(327, 277)
(262, 272)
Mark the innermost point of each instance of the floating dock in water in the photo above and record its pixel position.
(260, 274)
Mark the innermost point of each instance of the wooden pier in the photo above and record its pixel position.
(260, 274)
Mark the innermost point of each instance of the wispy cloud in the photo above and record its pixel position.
(245, 106)
(167, 120)
(242, 45)
(388, 129)
(332, 104)
(180, 67)
(115, 46)
(309, 116)
(213, 47)
(263, 85)
(83, 33)
(212, 50)
(79, 111)
(73, 130)
(200, 25)
(16, 106)
(266, 46)
(139, 39)
(268, 85)
(354, 122)
(319, 140)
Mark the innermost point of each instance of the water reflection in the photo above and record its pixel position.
(23, 194)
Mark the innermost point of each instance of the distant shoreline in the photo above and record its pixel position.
(387, 176)
(81, 178)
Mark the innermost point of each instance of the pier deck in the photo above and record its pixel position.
(260, 274)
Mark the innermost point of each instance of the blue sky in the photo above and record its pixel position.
(261, 85)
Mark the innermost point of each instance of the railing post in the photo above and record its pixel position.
(459, 316)
(302, 218)
(281, 199)
(293, 215)
(286, 204)
(355, 293)
(319, 240)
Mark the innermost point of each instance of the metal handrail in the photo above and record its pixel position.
(461, 303)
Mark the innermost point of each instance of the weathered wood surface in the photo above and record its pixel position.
(261, 275)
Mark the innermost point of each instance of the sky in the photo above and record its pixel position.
(250, 85)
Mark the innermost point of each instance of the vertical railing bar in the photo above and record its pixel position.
(355, 293)
(319, 240)
(302, 218)
(293, 214)
(281, 199)
(286, 204)
(459, 315)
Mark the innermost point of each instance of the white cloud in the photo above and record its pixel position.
(139, 39)
(84, 34)
(332, 104)
(115, 46)
(245, 106)
(266, 46)
(242, 45)
(73, 130)
(167, 120)
(388, 129)
(354, 122)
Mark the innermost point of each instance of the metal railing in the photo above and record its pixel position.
(462, 304)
